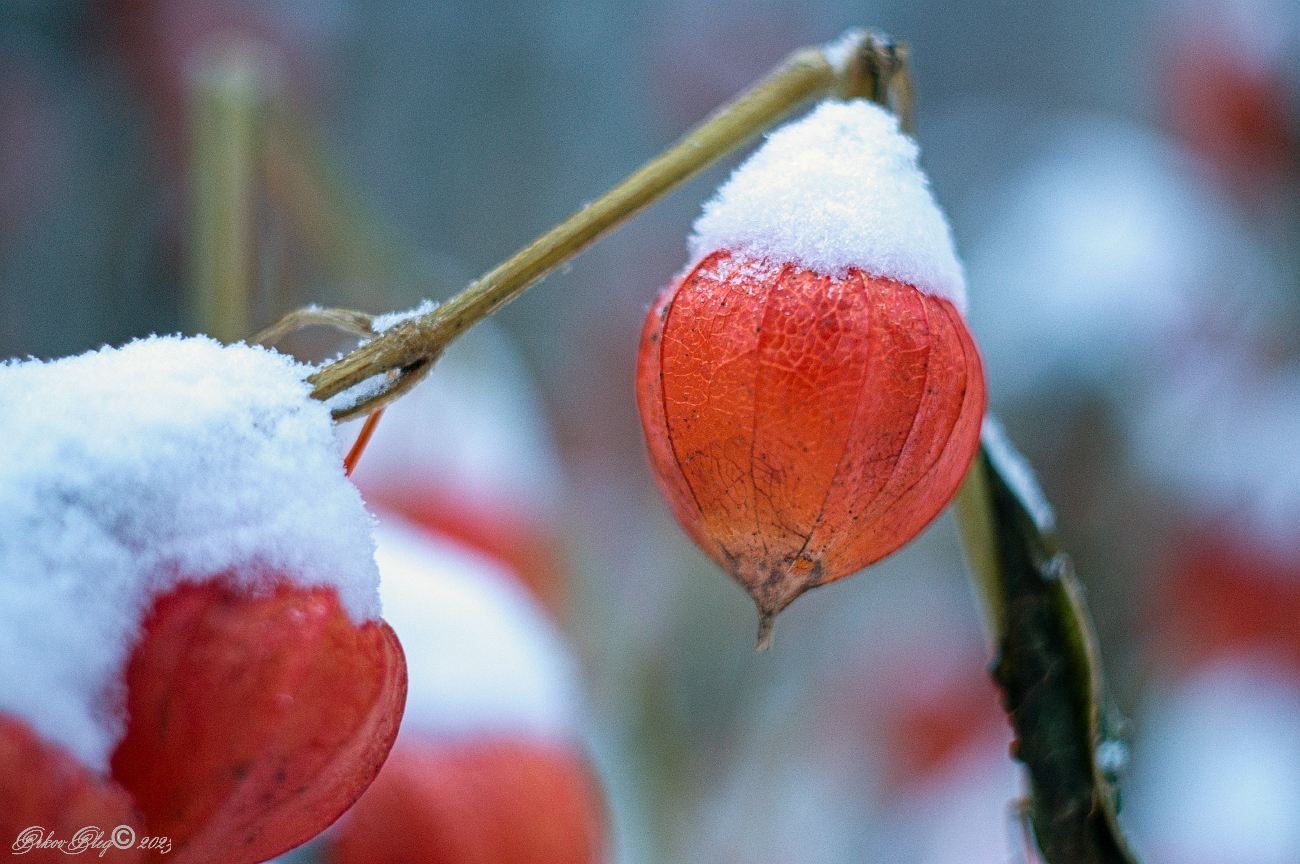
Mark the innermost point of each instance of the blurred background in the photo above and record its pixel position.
(1122, 181)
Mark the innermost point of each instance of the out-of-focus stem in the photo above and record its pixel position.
(227, 98)
(329, 215)
(859, 64)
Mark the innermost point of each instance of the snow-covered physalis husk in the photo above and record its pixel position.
(476, 801)
(810, 394)
(48, 795)
(489, 766)
(255, 721)
(189, 598)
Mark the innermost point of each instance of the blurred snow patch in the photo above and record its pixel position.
(482, 658)
(967, 815)
(475, 426)
(1217, 769)
(1101, 252)
(1224, 434)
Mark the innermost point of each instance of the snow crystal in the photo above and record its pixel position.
(839, 51)
(839, 189)
(387, 321)
(481, 657)
(1111, 757)
(133, 469)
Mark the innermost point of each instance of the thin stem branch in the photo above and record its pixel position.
(358, 250)
(363, 438)
(347, 320)
(859, 64)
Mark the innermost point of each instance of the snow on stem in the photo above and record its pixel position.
(1047, 660)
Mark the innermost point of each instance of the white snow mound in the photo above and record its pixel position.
(839, 189)
(131, 470)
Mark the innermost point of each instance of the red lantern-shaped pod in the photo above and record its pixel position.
(810, 394)
(47, 794)
(190, 642)
(255, 721)
(489, 766)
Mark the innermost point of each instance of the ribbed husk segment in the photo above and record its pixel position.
(801, 425)
(255, 721)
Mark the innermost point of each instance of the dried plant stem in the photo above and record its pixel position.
(861, 64)
(347, 320)
(355, 246)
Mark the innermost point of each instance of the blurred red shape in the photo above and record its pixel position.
(531, 549)
(1227, 595)
(478, 801)
(926, 733)
(43, 786)
(1233, 110)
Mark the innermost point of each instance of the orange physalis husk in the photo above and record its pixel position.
(804, 426)
(477, 800)
(255, 721)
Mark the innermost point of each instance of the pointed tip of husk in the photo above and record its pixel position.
(766, 620)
